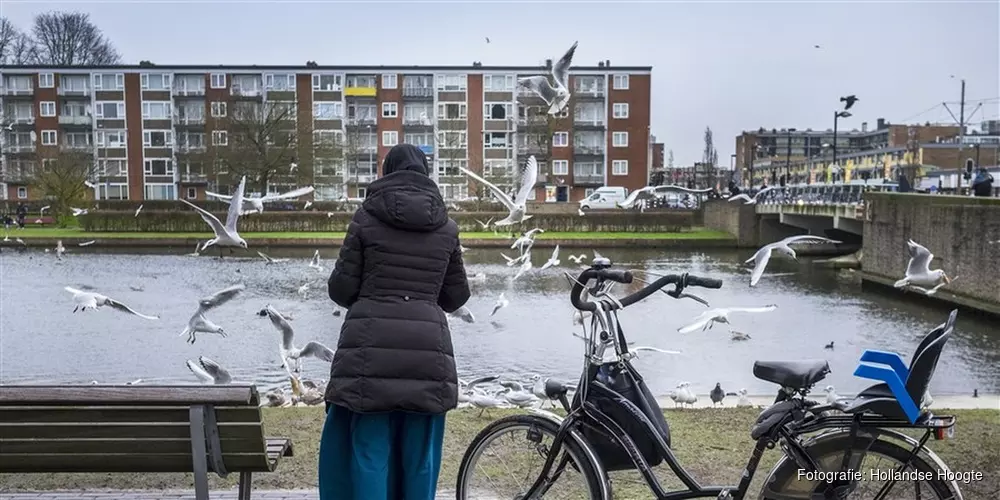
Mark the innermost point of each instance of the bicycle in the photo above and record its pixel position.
(605, 430)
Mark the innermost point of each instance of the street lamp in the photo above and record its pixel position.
(836, 116)
(788, 156)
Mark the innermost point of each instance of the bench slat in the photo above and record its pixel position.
(113, 446)
(125, 430)
(105, 414)
(280, 446)
(97, 462)
(129, 395)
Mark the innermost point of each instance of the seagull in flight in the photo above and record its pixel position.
(526, 240)
(463, 313)
(517, 206)
(138, 210)
(553, 261)
(918, 272)
(502, 302)
(705, 320)
(90, 300)
(257, 204)
(314, 263)
(290, 353)
(269, 259)
(849, 101)
(78, 211)
(525, 265)
(198, 321)
(750, 200)
(577, 259)
(225, 235)
(484, 225)
(556, 97)
(208, 371)
(763, 255)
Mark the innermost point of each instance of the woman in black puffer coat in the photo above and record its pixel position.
(393, 376)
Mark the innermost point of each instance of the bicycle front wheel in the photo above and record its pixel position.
(506, 458)
(874, 474)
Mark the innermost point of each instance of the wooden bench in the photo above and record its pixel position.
(104, 428)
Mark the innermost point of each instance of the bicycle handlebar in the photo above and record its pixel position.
(679, 281)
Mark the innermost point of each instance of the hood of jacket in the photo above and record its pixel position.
(408, 200)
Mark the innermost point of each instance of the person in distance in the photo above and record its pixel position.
(393, 376)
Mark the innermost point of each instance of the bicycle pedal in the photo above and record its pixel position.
(725, 495)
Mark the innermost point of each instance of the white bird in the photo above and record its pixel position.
(525, 266)
(199, 323)
(269, 259)
(750, 200)
(303, 290)
(684, 394)
(138, 210)
(291, 355)
(60, 249)
(934, 290)
(651, 349)
(314, 263)
(292, 166)
(556, 97)
(577, 258)
(927, 400)
(484, 225)
(580, 212)
(831, 395)
(484, 402)
(78, 211)
(250, 205)
(517, 206)
(650, 192)
(526, 240)
(90, 300)
(307, 205)
(502, 302)
(302, 392)
(41, 211)
(208, 371)
(86, 243)
(553, 261)
(464, 314)
(195, 253)
(705, 320)
(518, 260)
(225, 235)
(517, 396)
(763, 255)
(744, 400)
(734, 335)
(424, 120)
(462, 249)
(918, 272)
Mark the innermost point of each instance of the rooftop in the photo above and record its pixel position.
(305, 68)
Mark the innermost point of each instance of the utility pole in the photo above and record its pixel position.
(961, 136)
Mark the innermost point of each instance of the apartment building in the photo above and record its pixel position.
(162, 132)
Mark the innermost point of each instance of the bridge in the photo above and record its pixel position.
(817, 208)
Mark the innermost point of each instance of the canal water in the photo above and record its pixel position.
(43, 341)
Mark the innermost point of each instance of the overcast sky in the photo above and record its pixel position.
(731, 66)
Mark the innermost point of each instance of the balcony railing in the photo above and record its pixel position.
(582, 149)
(360, 121)
(589, 90)
(360, 91)
(191, 148)
(22, 120)
(362, 178)
(18, 91)
(19, 148)
(190, 120)
(76, 147)
(75, 120)
(410, 120)
(85, 91)
(417, 92)
(587, 178)
(194, 177)
(588, 122)
(245, 91)
(185, 91)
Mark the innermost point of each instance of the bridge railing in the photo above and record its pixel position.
(812, 194)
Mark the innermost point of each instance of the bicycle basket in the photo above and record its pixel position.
(612, 455)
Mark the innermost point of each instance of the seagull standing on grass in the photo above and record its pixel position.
(721, 315)
(90, 300)
(208, 371)
(763, 255)
(744, 400)
(518, 205)
(557, 97)
(199, 323)
(225, 235)
(918, 272)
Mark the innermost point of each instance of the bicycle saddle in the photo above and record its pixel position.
(792, 374)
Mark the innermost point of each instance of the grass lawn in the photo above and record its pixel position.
(80, 233)
(712, 444)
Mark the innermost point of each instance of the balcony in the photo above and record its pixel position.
(583, 149)
(237, 90)
(427, 92)
(359, 178)
(11, 91)
(75, 91)
(189, 91)
(359, 91)
(75, 120)
(19, 148)
(76, 147)
(22, 120)
(356, 122)
(532, 120)
(191, 148)
(193, 177)
(411, 121)
(190, 120)
(592, 91)
(583, 121)
(588, 178)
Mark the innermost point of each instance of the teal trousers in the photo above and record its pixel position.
(379, 456)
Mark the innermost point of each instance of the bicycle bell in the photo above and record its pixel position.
(601, 263)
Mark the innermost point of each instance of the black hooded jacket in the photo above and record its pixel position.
(400, 269)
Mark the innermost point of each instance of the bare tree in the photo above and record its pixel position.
(71, 39)
(62, 178)
(8, 32)
(352, 149)
(709, 152)
(670, 159)
(15, 46)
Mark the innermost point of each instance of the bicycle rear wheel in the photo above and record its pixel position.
(506, 457)
(786, 482)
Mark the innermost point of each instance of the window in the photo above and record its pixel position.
(109, 81)
(46, 80)
(328, 110)
(389, 81)
(390, 138)
(156, 110)
(160, 191)
(451, 111)
(619, 139)
(220, 138)
(218, 80)
(361, 81)
(620, 110)
(560, 167)
(22, 192)
(192, 193)
(362, 192)
(498, 83)
(49, 138)
(449, 167)
(47, 108)
(389, 110)
(498, 110)
(157, 138)
(451, 82)
(75, 109)
(419, 139)
(619, 167)
(74, 83)
(421, 113)
(495, 140)
(279, 82)
(328, 137)
(219, 109)
(619, 82)
(155, 81)
(560, 139)
(77, 140)
(326, 82)
(588, 192)
(451, 140)
(158, 166)
(110, 138)
(110, 109)
(498, 168)
(191, 140)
